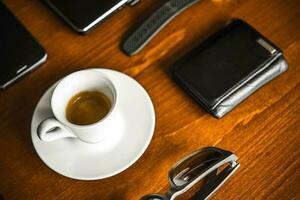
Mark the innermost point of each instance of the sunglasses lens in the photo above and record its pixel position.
(189, 168)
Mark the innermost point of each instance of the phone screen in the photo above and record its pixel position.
(83, 15)
(18, 49)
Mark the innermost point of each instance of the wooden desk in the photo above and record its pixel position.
(264, 131)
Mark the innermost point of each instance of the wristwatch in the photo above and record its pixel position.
(160, 18)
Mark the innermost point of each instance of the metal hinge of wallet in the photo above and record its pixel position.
(133, 2)
(161, 17)
(266, 45)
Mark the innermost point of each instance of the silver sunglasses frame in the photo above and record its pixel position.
(215, 180)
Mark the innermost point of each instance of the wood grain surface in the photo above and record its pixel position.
(264, 130)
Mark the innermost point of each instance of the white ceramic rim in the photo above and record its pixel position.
(71, 125)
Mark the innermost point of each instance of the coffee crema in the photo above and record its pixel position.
(87, 108)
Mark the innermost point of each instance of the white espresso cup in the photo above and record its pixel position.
(58, 126)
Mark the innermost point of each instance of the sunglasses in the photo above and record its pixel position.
(211, 165)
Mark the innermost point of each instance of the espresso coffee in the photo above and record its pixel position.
(87, 107)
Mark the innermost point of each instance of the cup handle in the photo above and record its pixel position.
(50, 130)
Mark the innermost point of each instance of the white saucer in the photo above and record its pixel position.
(78, 160)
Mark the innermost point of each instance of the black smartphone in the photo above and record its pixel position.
(19, 50)
(84, 15)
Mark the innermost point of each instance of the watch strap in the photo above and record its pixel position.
(160, 18)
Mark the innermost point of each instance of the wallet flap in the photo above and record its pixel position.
(224, 62)
(228, 67)
(274, 69)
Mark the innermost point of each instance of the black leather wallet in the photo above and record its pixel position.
(228, 67)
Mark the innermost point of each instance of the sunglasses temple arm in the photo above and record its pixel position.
(214, 183)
